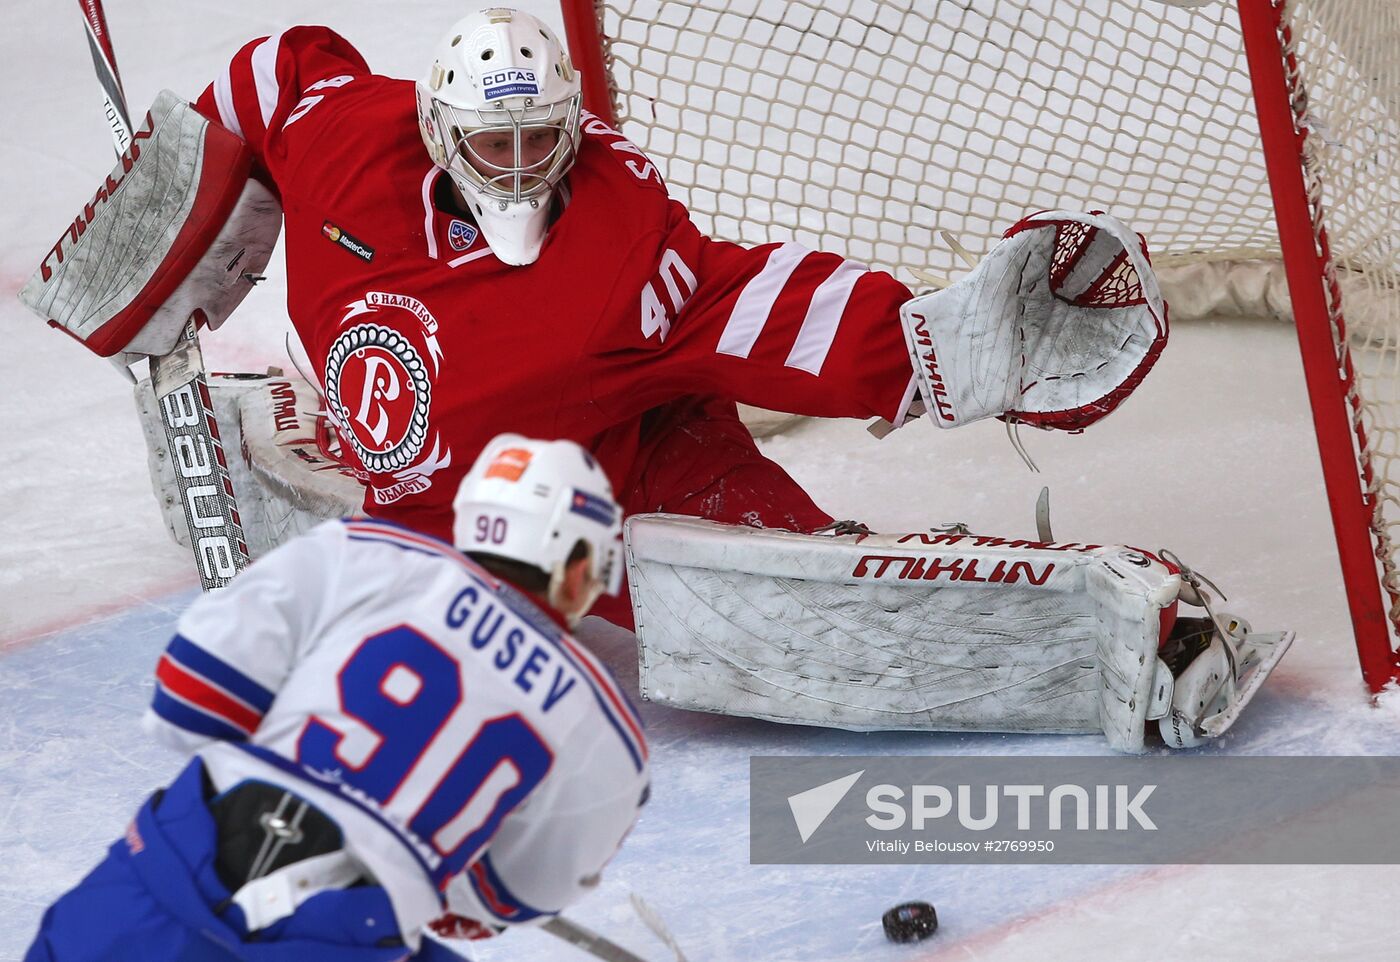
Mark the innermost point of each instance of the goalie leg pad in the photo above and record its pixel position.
(176, 229)
(940, 632)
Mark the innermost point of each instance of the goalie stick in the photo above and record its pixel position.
(182, 393)
(652, 920)
(589, 941)
(600, 947)
(105, 63)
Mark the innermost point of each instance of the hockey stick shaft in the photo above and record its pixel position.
(589, 941)
(104, 61)
(182, 391)
(652, 920)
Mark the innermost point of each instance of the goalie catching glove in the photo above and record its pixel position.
(177, 229)
(1054, 328)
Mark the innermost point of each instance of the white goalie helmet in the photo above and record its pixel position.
(532, 501)
(499, 110)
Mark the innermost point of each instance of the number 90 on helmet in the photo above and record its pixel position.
(532, 501)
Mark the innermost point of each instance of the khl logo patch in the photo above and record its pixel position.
(461, 235)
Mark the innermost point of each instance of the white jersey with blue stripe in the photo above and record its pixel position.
(421, 702)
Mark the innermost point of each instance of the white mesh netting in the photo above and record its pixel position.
(866, 126)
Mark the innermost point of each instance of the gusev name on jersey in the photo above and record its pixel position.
(427, 345)
(420, 703)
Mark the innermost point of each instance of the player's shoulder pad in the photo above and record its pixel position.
(324, 540)
(375, 531)
(314, 44)
(620, 152)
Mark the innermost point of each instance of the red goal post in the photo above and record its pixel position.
(1339, 415)
(866, 126)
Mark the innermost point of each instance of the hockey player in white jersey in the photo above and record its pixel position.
(369, 710)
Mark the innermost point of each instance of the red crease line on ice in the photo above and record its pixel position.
(995, 934)
(986, 938)
(93, 613)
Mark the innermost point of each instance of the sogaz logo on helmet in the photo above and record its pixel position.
(510, 82)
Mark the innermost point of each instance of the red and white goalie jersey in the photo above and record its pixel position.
(420, 703)
(428, 346)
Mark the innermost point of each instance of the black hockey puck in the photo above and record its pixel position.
(910, 922)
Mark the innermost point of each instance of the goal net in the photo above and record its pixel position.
(868, 127)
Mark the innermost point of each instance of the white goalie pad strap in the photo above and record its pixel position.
(921, 631)
(176, 229)
(1055, 326)
(279, 462)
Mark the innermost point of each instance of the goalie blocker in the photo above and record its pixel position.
(941, 632)
(177, 229)
(173, 239)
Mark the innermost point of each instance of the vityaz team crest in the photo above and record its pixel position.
(379, 391)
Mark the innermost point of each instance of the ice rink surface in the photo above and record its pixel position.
(1212, 458)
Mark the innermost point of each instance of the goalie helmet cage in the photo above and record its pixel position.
(865, 126)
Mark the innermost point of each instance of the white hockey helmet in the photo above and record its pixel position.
(532, 501)
(499, 110)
